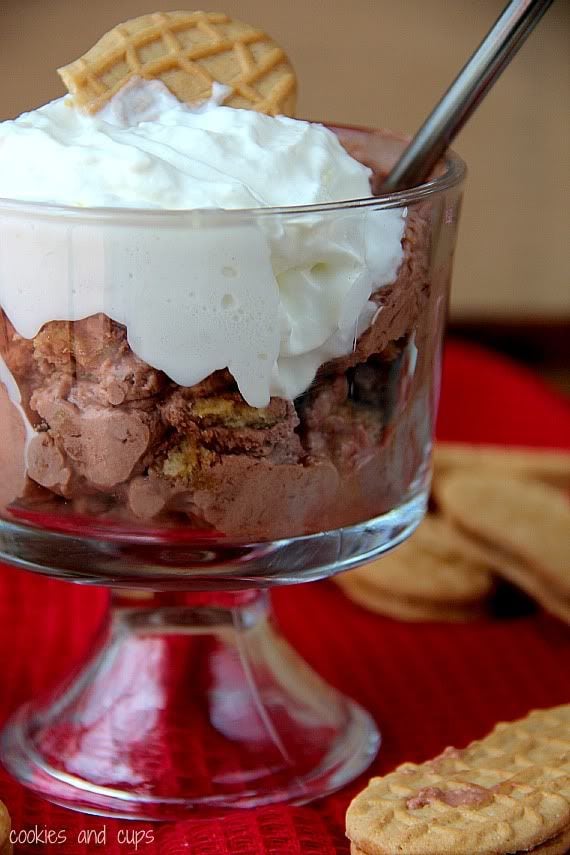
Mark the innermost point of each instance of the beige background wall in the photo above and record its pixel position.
(384, 62)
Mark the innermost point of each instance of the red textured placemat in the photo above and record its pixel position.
(428, 685)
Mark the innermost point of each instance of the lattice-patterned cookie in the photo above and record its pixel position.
(558, 845)
(188, 52)
(506, 793)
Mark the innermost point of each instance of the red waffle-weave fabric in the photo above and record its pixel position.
(427, 685)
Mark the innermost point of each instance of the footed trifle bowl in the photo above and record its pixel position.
(197, 405)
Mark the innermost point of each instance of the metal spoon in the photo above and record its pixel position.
(465, 93)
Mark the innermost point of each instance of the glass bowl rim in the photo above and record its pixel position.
(453, 176)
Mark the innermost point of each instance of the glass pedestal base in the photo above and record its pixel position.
(189, 704)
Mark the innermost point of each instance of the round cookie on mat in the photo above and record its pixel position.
(506, 793)
(188, 52)
(524, 519)
(5, 827)
(558, 845)
(438, 536)
(434, 575)
(408, 608)
(539, 464)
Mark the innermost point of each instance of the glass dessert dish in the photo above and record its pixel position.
(188, 492)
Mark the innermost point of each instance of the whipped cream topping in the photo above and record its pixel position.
(148, 150)
(270, 298)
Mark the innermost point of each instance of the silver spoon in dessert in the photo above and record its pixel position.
(465, 93)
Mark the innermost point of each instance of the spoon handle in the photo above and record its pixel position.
(465, 93)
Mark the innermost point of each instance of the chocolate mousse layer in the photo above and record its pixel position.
(108, 434)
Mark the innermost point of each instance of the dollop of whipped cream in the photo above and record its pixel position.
(270, 298)
(148, 150)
